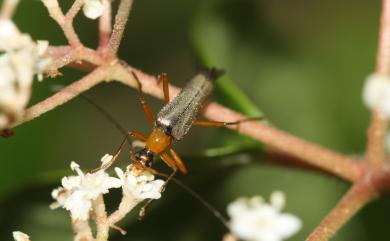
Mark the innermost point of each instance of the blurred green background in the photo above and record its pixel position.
(302, 63)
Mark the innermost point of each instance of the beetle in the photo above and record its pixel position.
(174, 121)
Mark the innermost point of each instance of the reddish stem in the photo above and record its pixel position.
(105, 25)
(359, 195)
(119, 26)
(378, 126)
(63, 96)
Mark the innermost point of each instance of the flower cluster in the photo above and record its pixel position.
(78, 192)
(253, 219)
(20, 59)
(139, 184)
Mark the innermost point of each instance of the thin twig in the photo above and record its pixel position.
(313, 154)
(63, 96)
(119, 26)
(8, 8)
(83, 230)
(60, 62)
(74, 10)
(102, 226)
(126, 205)
(358, 196)
(105, 25)
(65, 55)
(378, 127)
(56, 13)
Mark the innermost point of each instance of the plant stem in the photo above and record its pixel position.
(66, 24)
(66, 55)
(8, 8)
(358, 196)
(378, 127)
(105, 25)
(63, 96)
(126, 205)
(102, 225)
(83, 231)
(74, 10)
(119, 26)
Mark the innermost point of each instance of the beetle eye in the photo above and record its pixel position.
(149, 164)
(137, 156)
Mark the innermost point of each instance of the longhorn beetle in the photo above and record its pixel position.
(173, 122)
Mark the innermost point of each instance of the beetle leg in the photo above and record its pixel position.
(223, 123)
(137, 135)
(145, 107)
(172, 164)
(165, 83)
(179, 162)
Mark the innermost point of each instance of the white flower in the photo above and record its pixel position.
(139, 184)
(19, 236)
(20, 59)
(93, 8)
(376, 93)
(78, 192)
(106, 159)
(253, 219)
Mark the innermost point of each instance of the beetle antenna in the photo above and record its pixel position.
(198, 197)
(107, 115)
(102, 111)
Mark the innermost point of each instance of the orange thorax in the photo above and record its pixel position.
(158, 141)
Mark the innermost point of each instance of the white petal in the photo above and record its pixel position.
(255, 201)
(237, 207)
(106, 159)
(78, 205)
(158, 184)
(94, 184)
(42, 46)
(7, 29)
(54, 205)
(131, 180)
(241, 228)
(93, 9)
(55, 193)
(150, 195)
(288, 224)
(74, 165)
(71, 182)
(152, 190)
(278, 200)
(119, 173)
(255, 220)
(113, 182)
(19, 236)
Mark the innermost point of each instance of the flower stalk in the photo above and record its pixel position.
(378, 127)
